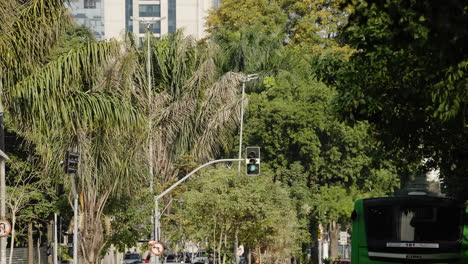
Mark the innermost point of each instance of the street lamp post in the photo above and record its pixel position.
(148, 23)
(3, 240)
(247, 78)
(3, 157)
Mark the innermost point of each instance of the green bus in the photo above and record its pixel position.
(409, 229)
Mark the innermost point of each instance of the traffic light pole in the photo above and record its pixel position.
(3, 157)
(244, 80)
(157, 222)
(191, 173)
(241, 126)
(75, 231)
(55, 257)
(75, 220)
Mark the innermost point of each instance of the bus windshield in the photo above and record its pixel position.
(413, 222)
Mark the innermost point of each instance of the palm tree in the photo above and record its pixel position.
(37, 94)
(80, 99)
(247, 51)
(195, 110)
(85, 99)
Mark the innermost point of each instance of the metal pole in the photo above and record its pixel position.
(319, 252)
(244, 80)
(75, 230)
(193, 172)
(150, 123)
(248, 78)
(55, 238)
(320, 245)
(2, 208)
(157, 230)
(75, 219)
(236, 257)
(60, 237)
(3, 240)
(241, 126)
(157, 224)
(150, 135)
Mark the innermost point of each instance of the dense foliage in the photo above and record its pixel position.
(409, 79)
(254, 210)
(350, 99)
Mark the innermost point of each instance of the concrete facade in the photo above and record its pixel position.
(111, 18)
(114, 19)
(192, 16)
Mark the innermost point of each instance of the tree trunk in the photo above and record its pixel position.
(49, 241)
(220, 245)
(30, 244)
(225, 244)
(39, 248)
(259, 255)
(91, 229)
(12, 240)
(236, 246)
(214, 241)
(314, 245)
(334, 230)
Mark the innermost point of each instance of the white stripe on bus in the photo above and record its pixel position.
(414, 256)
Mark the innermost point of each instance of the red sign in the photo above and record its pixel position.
(5, 228)
(157, 248)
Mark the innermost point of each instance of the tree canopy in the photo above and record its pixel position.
(408, 77)
(256, 210)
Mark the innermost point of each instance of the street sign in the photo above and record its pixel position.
(5, 228)
(240, 250)
(343, 238)
(157, 248)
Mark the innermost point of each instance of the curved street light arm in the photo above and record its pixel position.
(191, 173)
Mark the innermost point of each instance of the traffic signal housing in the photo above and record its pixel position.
(71, 162)
(252, 160)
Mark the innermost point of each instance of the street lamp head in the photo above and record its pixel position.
(250, 77)
(147, 19)
(253, 76)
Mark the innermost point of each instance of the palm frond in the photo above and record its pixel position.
(68, 84)
(218, 118)
(29, 35)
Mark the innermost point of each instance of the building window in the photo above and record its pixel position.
(150, 11)
(171, 13)
(89, 3)
(155, 27)
(216, 3)
(128, 15)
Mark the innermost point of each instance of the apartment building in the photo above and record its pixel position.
(111, 18)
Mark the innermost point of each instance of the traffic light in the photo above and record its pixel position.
(252, 160)
(71, 162)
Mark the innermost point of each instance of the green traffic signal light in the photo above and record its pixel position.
(252, 160)
(252, 168)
